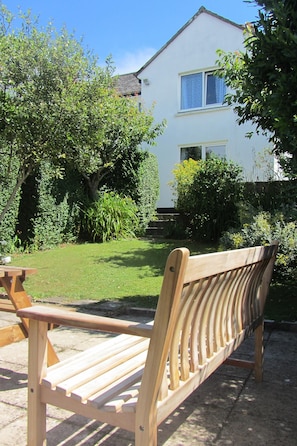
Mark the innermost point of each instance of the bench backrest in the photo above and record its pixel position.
(207, 303)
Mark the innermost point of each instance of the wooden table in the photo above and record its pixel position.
(15, 298)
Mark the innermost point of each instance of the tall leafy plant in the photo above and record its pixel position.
(110, 217)
(52, 212)
(147, 190)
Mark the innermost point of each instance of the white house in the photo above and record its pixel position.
(179, 81)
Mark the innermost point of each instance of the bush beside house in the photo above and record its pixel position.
(207, 196)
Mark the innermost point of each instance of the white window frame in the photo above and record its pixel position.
(202, 79)
(205, 149)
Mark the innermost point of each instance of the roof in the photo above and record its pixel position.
(128, 84)
(201, 10)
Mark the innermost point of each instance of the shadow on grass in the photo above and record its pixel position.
(154, 256)
(119, 307)
(150, 260)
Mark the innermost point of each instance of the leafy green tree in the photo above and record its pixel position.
(111, 130)
(58, 105)
(38, 70)
(263, 77)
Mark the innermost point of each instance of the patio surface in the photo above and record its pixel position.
(230, 408)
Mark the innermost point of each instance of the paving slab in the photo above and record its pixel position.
(230, 408)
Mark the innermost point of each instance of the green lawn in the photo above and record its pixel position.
(129, 270)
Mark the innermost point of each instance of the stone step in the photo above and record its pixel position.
(159, 226)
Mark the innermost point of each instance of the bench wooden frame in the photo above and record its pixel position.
(207, 306)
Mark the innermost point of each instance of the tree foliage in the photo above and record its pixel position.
(58, 105)
(38, 69)
(263, 77)
(111, 130)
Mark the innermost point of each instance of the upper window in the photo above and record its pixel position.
(201, 90)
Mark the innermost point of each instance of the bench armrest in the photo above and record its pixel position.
(86, 321)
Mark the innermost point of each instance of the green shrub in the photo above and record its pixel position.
(9, 168)
(9, 223)
(271, 196)
(208, 193)
(148, 189)
(184, 175)
(51, 217)
(263, 229)
(111, 217)
(138, 178)
(56, 217)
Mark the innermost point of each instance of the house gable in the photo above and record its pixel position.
(201, 10)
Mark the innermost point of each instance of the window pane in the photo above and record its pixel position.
(191, 152)
(218, 151)
(215, 89)
(191, 91)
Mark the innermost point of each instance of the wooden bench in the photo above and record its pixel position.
(208, 305)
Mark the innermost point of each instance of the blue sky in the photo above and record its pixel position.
(129, 30)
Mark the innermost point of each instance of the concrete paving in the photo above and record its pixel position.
(230, 408)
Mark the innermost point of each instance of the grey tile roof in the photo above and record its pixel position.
(128, 84)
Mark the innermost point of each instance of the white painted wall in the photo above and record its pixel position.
(194, 49)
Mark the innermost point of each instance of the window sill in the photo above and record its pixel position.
(203, 110)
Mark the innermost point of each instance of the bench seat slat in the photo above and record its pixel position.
(112, 397)
(72, 360)
(129, 396)
(102, 367)
(89, 358)
(83, 392)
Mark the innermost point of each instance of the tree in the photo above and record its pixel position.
(111, 130)
(263, 77)
(38, 69)
(58, 105)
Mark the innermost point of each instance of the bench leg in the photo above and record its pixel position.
(259, 352)
(146, 439)
(146, 435)
(37, 369)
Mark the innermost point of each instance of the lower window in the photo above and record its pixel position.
(202, 152)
